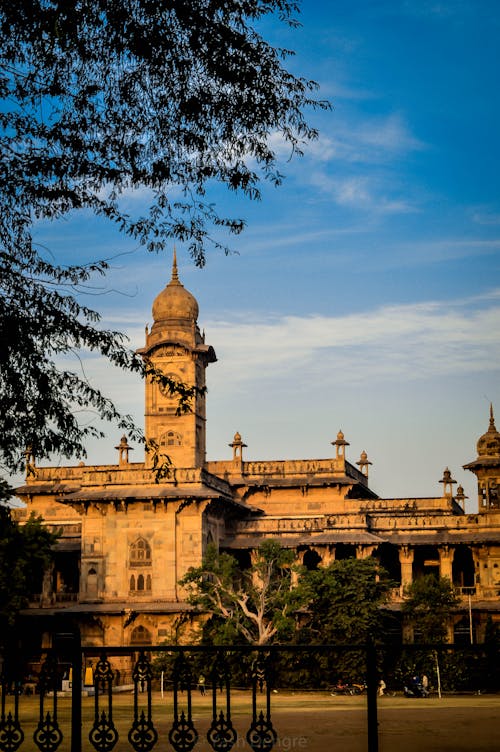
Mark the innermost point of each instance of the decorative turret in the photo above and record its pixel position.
(488, 444)
(363, 463)
(175, 346)
(448, 482)
(123, 450)
(460, 497)
(340, 444)
(487, 467)
(237, 446)
(175, 303)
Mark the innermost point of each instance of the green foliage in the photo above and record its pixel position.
(344, 604)
(41, 401)
(344, 607)
(104, 98)
(258, 604)
(428, 604)
(491, 675)
(25, 552)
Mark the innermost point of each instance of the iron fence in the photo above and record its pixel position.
(186, 671)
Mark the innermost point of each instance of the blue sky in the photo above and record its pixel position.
(365, 292)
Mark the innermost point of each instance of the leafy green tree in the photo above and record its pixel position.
(99, 99)
(345, 600)
(25, 553)
(258, 604)
(344, 607)
(428, 604)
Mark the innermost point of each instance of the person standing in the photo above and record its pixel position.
(425, 685)
(201, 684)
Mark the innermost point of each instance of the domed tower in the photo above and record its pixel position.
(487, 467)
(175, 346)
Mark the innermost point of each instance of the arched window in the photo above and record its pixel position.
(171, 438)
(140, 636)
(140, 553)
(140, 582)
(92, 583)
(148, 582)
(132, 582)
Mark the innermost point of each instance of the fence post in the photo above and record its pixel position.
(68, 648)
(76, 693)
(371, 695)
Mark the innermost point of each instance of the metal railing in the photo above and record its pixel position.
(103, 671)
(256, 670)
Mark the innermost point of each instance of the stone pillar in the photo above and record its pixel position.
(406, 560)
(476, 558)
(47, 594)
(327, 555)
(446, 562)
(363, 552)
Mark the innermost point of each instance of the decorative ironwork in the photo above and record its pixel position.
(48, 735)
(261, 735)
(183, 735)
(11, 733)
(142, 735)
(103, 735)
(221, 734)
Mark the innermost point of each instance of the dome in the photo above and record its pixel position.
(489, 443)
(175, 302)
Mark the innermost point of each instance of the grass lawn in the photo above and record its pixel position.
(313, 722)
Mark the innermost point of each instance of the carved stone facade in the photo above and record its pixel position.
(127, 539)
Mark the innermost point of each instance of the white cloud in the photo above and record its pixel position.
(373, 140)
(361, 192)
(486, 217)
(390, 343)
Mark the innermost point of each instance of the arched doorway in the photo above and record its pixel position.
(387, 555)
(463, 567)
(243, 557)
(140, 636)
(311, 559)
(345, 551)
(425, 561)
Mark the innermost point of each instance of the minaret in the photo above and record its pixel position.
(175, 346)
(487, 467)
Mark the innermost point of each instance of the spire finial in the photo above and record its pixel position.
(492, 417)
(175, 275)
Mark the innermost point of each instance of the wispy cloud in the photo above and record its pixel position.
(390, 343)
(486, 217)
(439, 9)
(375, 139)
(364, 192)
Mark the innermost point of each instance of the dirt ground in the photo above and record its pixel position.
(330, 724)
(432, 725)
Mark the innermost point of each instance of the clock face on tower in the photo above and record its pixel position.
(164, 390)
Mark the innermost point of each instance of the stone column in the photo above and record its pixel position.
(406, 560)
(363, 552)
(47, 594)
(327, 555)
(446, 562)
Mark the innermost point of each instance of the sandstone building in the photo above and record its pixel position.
(127, 540)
